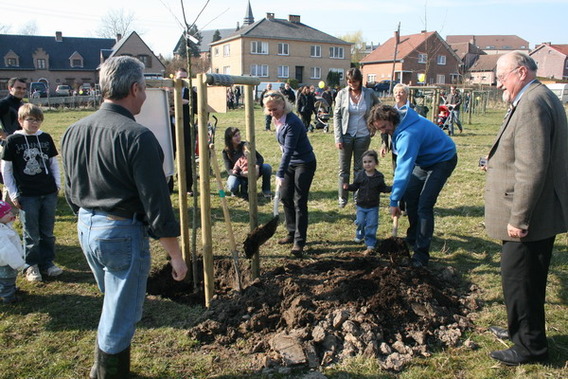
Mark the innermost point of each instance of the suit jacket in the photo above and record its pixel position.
(341, 111)
(527, 169)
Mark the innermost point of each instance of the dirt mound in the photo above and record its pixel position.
(317, 313)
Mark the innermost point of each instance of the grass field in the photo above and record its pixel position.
(50, 334)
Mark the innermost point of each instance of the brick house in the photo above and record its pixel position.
(280, 49)
(492, 44)
(552, 60)
(416, 55)
(67, 60)
(483, 70)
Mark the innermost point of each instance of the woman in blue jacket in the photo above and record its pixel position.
(296, 171)
(426, 157)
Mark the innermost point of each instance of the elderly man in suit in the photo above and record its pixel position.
(526, 202)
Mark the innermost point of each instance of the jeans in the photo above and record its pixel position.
(294, 194)
(421, 195)
(454, 118)
(118, 252)
(353, 148)
(38, 218)
(367, 223)
(7, 282)
(236, 183)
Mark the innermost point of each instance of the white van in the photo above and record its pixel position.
(560, 90)
(262, 86)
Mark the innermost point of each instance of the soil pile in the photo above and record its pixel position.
(315, 313)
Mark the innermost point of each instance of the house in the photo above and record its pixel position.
(492, 44)
(67, 60)
(276, 49)
(483, 70)
(468, 53)
(419, 58)
(552, 60)
(206, 40)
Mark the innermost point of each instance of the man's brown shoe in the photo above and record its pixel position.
(288, 240)
(297, 251)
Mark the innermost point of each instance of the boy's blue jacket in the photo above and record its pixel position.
(417, 142)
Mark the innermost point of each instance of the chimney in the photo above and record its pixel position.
(294, 18)
(118, 37)
(270, 16)
(58, 36)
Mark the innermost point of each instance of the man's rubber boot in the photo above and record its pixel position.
(93, 372)
(114, 366)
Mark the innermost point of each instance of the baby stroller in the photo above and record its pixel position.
(322, 111)
(444, 118)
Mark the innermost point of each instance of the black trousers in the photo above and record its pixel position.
(294, 194)
(524, 273)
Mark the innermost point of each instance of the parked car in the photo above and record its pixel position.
(85, 89)
(38, 89)
(384, 85)
(63, 90)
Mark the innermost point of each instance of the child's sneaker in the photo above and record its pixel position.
(33, 274)
(54, 271)
(357, 240)
(370, 251)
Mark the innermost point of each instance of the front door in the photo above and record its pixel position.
(300, 74)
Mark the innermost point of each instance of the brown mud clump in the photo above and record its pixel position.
(312, 314)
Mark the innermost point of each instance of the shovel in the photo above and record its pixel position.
(232, 243)
(262, 233)
(393, 246)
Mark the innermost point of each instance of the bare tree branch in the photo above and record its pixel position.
(29, 28)
(114, 22)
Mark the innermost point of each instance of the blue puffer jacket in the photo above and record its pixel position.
(417, 142)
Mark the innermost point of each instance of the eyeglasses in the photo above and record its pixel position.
(272, 94)
(501, 78)
(32, 120)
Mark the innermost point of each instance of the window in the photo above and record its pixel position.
(315, 73)
(216, 51)
(258, 47)
(336, 52)
(422, 58)
(146, 60)
(283, 71)
(76, 62)
(441, 60)
(260, 70)
(567, 63)
(41, 64)
(226, 50)
(12, 62)
(441, 79)
(371, 78)
(339, 70)
(283, 49)
(227, 70)
(315, 51)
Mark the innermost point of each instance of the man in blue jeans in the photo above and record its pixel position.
(115, 182)
(426, 157)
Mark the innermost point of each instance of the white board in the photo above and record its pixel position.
(155, 115)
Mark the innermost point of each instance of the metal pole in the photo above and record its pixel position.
(205, 189)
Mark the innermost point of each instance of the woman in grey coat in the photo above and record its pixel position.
(352, 137)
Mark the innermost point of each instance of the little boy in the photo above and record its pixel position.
(11, 255)
(31, 174)
(370, 184)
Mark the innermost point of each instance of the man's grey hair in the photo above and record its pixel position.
(117, 76)
(519, 58)
(401, 86)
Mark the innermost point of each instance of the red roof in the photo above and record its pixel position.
(561, 48)
(407, 45)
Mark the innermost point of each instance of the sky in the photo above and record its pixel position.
(159, 21)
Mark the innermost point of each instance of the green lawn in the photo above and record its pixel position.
(50, 334)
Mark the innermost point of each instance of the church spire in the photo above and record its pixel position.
(249, 18)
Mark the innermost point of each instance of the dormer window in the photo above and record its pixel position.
(77, 63)
(12, 62)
